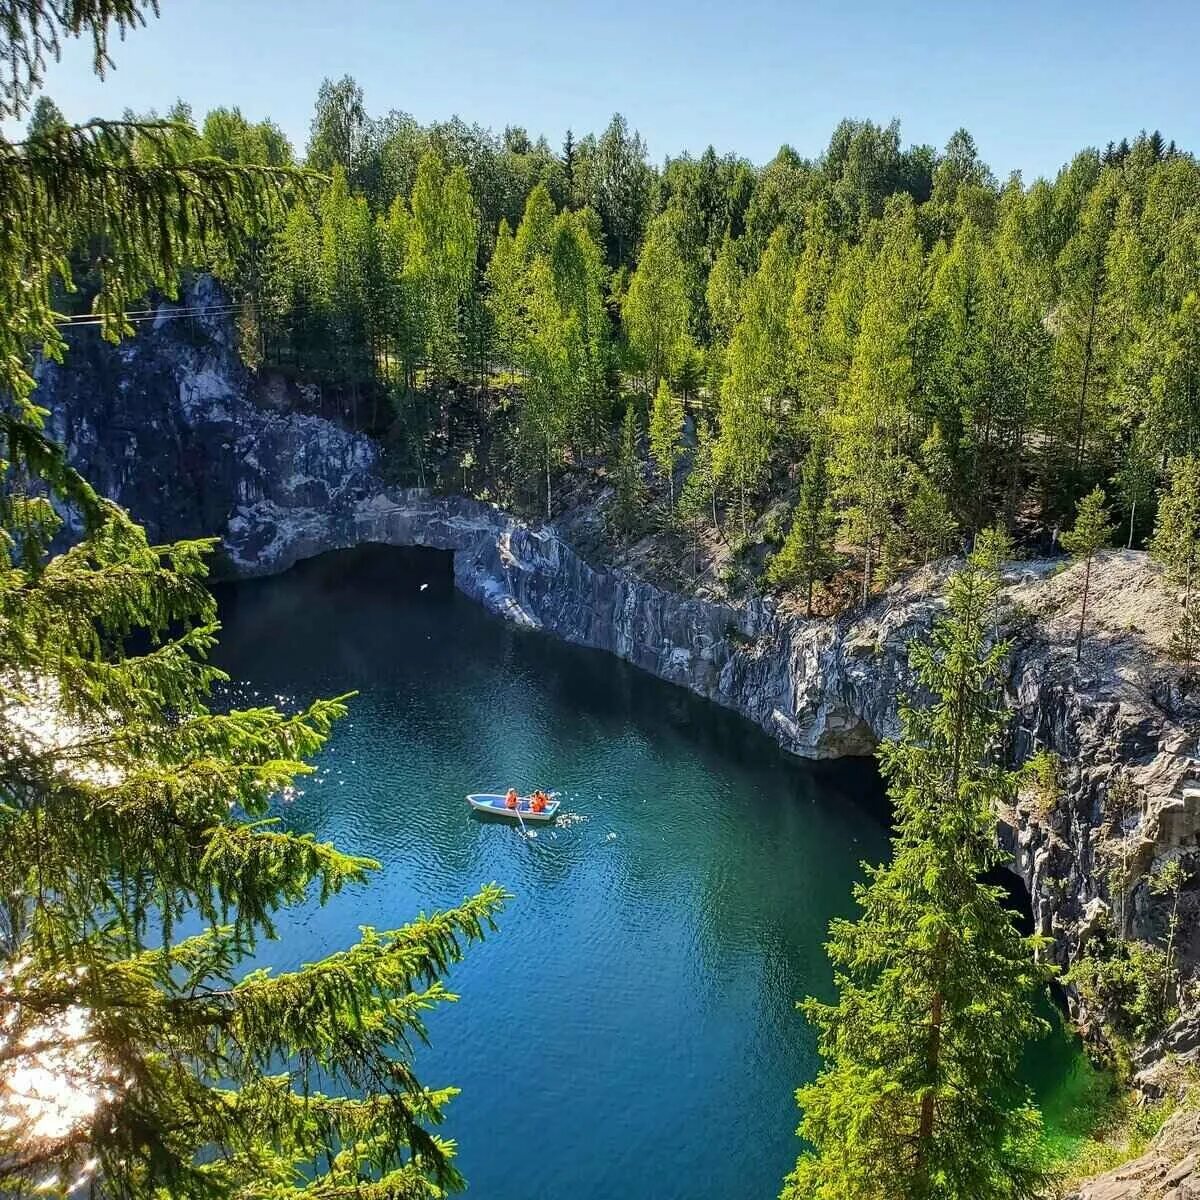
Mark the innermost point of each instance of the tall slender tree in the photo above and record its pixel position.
(1176, 544)
(919, 1095)
(656, 310)
(666, 434)
(1091, 532)
(807, 553)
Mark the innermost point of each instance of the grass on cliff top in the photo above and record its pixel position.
(1094, 1124)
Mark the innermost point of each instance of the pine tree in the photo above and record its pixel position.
(1092, 532)
(807, 552)
(873, 416)
(666, 434)
(128, 802)
(630, 497)
(698, 499)
(919, 1095)
(1176, 544)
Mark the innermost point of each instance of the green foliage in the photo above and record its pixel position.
(666, 434)
(807, 554)
(1044, 772)
(980, 353)
(698, 498)
(873, 415)
(630, 500)
(656, 309)
(1127, 981)
(439, 266)
(918, 1095)
(1091, 532)
(545, 297)
(131, 802)
(1174, 545)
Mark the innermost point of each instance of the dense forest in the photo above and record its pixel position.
(882, 349)
(837, 367)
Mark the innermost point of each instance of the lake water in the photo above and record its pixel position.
(631, 1030)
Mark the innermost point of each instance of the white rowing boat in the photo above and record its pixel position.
(493, 803)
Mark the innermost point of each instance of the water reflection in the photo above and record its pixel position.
(640, 995)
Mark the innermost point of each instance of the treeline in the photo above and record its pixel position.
(884, 347)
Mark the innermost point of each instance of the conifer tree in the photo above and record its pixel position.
(1091, 532)
(807, 552)
(919, 1095)
(698, 499)
(872, 419)
(139, 862)
(1176, 544)
(630, 487)
(666, 434)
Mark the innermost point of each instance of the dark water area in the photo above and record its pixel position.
(631, 1030)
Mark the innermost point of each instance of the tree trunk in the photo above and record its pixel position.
(808, 596)
(1087, 579)
(547, 479)
(1132, 510)
(1172, 930)
(1087, 371)
(933, 1055)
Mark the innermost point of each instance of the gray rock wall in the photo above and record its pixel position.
(172, 426)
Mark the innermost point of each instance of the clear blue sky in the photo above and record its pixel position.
(1033, 81)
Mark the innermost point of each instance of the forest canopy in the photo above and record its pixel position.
(958, 351)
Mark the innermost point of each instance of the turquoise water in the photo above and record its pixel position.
(631, 1029)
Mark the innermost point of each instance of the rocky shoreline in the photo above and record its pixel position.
(173, 426)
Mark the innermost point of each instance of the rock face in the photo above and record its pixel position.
(174, 427)
(1169, 1170)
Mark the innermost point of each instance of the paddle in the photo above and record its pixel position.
(517, 810)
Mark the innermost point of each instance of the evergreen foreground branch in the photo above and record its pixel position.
(139, 862)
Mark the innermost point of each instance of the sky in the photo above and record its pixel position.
(1034, 82)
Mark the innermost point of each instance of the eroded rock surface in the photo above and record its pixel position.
(1169, 1170)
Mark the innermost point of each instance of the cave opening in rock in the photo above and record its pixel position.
(405, 569)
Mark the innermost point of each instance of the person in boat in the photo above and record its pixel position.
(510, 798)
(540, 801)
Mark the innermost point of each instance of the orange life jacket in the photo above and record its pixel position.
(510, 800)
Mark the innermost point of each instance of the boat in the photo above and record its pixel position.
(490, 802)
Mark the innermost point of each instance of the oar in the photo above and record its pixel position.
(520, 822)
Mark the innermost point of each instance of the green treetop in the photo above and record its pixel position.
(630, 487)
(130, 803)
(656, 310)
(919, 1097)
